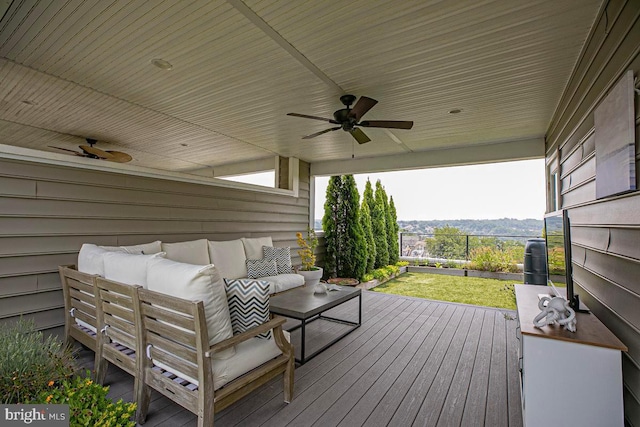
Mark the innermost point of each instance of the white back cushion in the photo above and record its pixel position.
(195, 283)
(128, 268)
(253, 246)
(229, 258)
(90, 259)
(193, 252)
(143, 249)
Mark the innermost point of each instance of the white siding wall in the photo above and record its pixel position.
(605, 233)
(47, 212)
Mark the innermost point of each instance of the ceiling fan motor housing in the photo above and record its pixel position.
(342, 117)
(349, 119)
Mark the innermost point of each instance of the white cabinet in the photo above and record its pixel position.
(568, 379)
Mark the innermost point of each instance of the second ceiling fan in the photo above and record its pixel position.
(349, 118)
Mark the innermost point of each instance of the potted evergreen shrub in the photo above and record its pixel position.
(312, 273)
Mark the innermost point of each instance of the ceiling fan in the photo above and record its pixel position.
(349, 119)
(95, 153)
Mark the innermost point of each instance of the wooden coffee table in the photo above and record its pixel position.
(302, 304)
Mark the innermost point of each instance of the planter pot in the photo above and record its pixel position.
(311, 278)
(517, 277)
(343, 281)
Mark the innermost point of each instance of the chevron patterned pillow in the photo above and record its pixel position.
(257, 268)
(248, 304)
(282, 257)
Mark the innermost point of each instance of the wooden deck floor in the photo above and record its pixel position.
(412, 362)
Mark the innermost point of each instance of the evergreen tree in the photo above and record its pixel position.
(345, 243)
(394, 248)
(392, 235)
(378, 223)
(330, 222)
(353, 255)
(367, 195)
(365, 220)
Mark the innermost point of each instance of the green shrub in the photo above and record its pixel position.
(368, 277)
(492, 259)
(379, 274)
(88, 403)
(402, 263)
(28, 362)
(556, 261)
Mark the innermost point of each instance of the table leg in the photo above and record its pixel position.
(302, 328)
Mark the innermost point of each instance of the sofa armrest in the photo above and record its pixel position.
(277, 321)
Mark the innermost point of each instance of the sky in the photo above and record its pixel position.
(491, 191)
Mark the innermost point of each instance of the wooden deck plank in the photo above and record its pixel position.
(359, 413)
(408, 410)
(355, 404)
(497, 413)
(475, 406)
(314, 384)
(429, 412)
(389, 404)
(376, 317)
(365, 373)
(411, 361)
(513, 373)
(453, 407)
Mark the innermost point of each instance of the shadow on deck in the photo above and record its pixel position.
(412, 362)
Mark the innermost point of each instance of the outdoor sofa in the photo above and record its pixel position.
(204, 342)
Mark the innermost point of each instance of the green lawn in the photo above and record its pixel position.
(466, 290)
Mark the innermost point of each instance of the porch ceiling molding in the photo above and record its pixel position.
(37, 156)
(500, 152)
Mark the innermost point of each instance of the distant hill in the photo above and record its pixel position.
(503, 226)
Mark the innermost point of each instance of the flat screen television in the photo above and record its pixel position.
(557, 232)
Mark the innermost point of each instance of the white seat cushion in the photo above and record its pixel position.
(249, 355)
(253, 246)
(91, 259)
(143, 249)
(229, 258)
(195, 283)
(128, 268)
(192, 252)
(283, 282)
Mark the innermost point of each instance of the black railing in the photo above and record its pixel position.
(459, 247)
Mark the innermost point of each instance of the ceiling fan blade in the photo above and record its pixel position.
(359, 135)
(305, 116)
(363, 105)
(96, 152)
(66, 149)
(313, 135)
(393, 124)
(119, 157)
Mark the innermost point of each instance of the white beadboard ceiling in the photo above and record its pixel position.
(71, 69)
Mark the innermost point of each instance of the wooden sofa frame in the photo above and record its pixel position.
(174, 333)
(139, 324)
(79, 292)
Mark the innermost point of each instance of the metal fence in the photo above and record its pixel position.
(459, 247)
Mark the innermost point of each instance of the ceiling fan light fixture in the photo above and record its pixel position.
(162, 64)
(349, 119)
